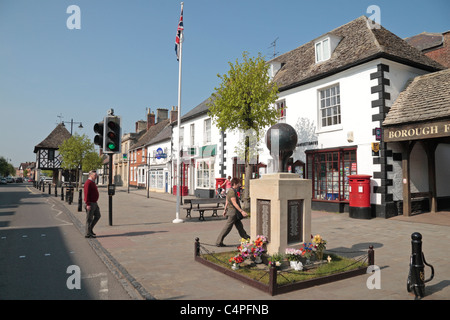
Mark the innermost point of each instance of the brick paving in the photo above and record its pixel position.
(156, 255)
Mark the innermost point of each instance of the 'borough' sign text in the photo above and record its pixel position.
(417, 131)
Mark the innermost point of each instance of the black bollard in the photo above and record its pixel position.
(43, 187)
(416, 277)
(56, 190)
(79, 201)
(62, 192)
(49, 189)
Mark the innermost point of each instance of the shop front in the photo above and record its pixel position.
(418, 125)
(329, 170)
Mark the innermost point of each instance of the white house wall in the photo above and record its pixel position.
(199, 141)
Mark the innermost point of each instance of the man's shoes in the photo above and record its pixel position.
(220, 245)
(90, 236)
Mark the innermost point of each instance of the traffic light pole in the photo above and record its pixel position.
(109, 188)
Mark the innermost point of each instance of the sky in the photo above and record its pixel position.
(122, 56)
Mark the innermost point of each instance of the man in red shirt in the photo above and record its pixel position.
(90, 199)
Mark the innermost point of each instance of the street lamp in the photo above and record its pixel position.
(71, 125)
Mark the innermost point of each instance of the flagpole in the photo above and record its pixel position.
(177, 219)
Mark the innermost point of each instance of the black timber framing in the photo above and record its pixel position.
(387, 207)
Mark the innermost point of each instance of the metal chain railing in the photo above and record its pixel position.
(362, 259)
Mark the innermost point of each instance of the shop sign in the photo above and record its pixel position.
(417, 131)
(375, 148)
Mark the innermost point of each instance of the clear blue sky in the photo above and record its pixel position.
(123, 56)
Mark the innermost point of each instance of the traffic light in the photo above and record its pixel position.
(112, 135)
(99, 130)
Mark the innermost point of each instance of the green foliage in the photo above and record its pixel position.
(6, 169)
(79, 151)
(245, 101)
(244, 98)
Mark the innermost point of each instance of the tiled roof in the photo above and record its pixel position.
(427, 97)
(151, 133)
(164, 134)
(426, 40)
(54, 139)
(359, 43)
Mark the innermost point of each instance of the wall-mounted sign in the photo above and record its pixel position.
(378, 134)
(416, 131)
(375, 148)
(160, 154)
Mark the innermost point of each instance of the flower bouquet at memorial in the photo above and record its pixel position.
(245, 248)
(258, 248)
(294, 257)
(260, 241)
(276, 259)
(307, 250)
(320, 245)
(236, 261)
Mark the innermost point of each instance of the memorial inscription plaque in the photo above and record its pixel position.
(295, 220)
(263, 212)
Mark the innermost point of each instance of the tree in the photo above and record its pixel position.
(245, 101)
(6, 168)
(78, 152)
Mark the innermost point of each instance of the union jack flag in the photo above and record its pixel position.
(177, 38)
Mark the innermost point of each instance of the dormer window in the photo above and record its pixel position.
(325, 46)
(323, 50)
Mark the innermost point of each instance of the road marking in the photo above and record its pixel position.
(103, 284)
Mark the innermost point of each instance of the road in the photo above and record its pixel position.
(44, 256)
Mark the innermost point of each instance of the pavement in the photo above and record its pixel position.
(155, 257)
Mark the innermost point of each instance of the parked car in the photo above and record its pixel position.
(19, 179)
(9, 180)
(2, 181)
(47, 180)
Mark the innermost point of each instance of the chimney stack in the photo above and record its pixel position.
(173, 114)
(161, 114)
(150, 119)
(140, 125)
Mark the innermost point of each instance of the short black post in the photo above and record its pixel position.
(79, 201)
(56, 190)
(416, 278)
(371, 256)
(62, 192)
(49, 189)
(69, 195)
(197, 247)
(272, 279)
(43, 187)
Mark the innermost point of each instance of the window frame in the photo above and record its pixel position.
(205, 178)
(323, 181)
(333, 119)
(323, 50)
(281, 109)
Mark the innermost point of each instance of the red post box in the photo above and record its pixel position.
(359, 196)
(219, 182)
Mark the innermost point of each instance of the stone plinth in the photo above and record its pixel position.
(281, 210)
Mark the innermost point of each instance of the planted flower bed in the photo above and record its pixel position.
(274, 275)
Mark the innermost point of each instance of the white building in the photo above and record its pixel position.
(336, 91)
(202, 152)
(159, 165)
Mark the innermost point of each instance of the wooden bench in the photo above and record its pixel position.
(203, 204)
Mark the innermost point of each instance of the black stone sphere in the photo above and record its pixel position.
(285, 135)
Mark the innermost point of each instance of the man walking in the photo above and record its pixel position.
(90, 199)
(231, 210)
